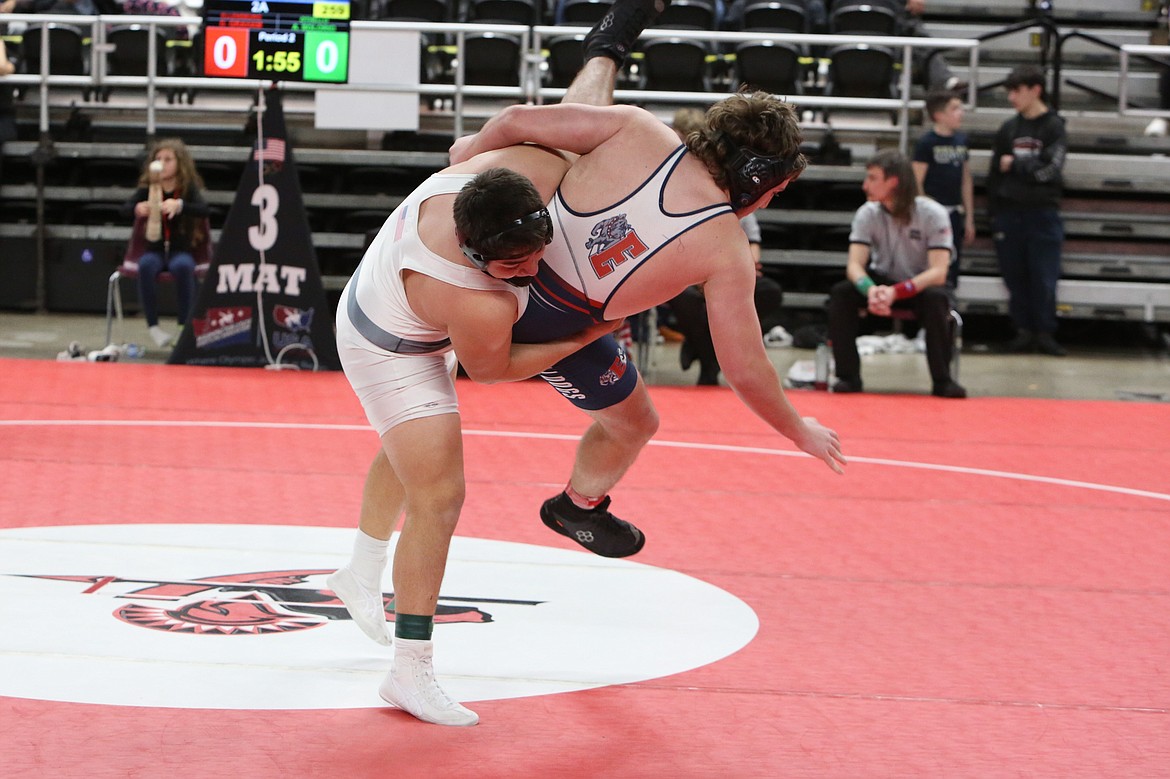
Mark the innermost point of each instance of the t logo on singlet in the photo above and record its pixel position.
(613, 242)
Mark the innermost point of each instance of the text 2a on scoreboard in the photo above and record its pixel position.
(280, 40)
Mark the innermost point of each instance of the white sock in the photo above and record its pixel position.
(369, 559)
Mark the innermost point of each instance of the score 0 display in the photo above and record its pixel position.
(285, 40)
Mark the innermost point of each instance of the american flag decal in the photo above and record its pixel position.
(273, 150)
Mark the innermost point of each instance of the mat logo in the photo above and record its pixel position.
(263, 277)
(225, 326)
(242, 603)
(127, 615)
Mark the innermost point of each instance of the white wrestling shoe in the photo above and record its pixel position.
(411, 686)
(365, 606)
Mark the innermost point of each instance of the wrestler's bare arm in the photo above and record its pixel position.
(544, 167)
(479, 324)
(735, 333)
(573, 127)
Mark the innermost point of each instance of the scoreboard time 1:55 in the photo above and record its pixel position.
(281, 40)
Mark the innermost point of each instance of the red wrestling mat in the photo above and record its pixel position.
(984, 593)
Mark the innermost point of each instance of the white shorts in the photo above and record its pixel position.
(395, 388)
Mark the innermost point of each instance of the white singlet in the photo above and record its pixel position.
(400, 366)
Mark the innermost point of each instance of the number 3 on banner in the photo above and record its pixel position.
(262, 237)
(225, 52)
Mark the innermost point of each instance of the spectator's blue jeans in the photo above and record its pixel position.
(1028, 243)
(182, 267)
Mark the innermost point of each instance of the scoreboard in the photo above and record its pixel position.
(279, 40)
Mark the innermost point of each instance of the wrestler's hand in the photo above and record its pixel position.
(461, 150)
(593, 332)
(822, 443)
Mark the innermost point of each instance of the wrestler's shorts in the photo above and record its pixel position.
(598, 376)
(394, 388)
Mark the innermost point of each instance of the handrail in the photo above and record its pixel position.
(528, 88)
(1058, 63)
(1150, 54)
(1044, 22)
(903, 104)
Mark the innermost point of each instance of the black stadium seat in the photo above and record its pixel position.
(583, 13)
(687, 15)
(566, 55)
(862, 19)
(505, 11)
(130, 51)
(129, 54)
(492, 59)
(66, 50)
(674, 64)
(773, 67)
(775, 16)
(861, 70)
(417, 10)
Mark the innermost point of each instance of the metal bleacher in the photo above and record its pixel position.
(1117, 210)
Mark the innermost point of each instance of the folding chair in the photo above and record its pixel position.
(129, 270)
(900, 315)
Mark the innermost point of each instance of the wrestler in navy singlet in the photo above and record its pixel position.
(591, 256)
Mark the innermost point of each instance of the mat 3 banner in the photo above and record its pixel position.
(263, 300)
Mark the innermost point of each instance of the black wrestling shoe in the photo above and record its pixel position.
(595, 529)
(615, 33)
(847, 386)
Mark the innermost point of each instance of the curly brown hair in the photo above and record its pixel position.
(759, 121)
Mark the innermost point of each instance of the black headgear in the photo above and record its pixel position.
(751, 174)
(480, 261)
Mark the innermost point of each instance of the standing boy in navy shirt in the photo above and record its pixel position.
(941, 165)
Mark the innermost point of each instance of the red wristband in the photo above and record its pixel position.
(905, 289)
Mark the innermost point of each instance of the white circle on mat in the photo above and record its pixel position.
(228, 616)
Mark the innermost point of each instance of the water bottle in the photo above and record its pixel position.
(133, 351)
(823, 355)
